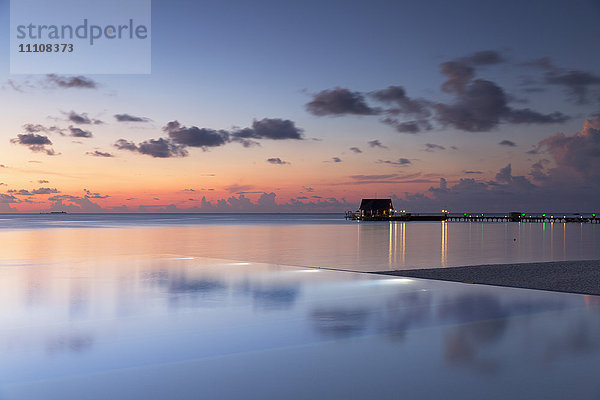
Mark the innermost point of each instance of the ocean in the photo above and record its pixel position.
(315, 240)
(223, 306)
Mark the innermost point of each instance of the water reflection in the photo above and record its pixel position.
(185, 285)
(188, 323)
(341, 322)
(279, 297)
(69, 343)
(444, 246)
(476, 323)
(360, 246)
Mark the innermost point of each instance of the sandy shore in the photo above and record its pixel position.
(561, 276)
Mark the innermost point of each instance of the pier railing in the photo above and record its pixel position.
(480, 217)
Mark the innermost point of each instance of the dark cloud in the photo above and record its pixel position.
(472, 172)
(484, 57)
(479, 105)
(161, 148)
(158, 148)
(277, 161)
(21, 192)
(376, 143)
(577, 83)
(73, 204)
(80, 133)
(37, 128)
(543, 63)
(43, 190)
(30, 139)
(194, 136)
(460, 72)
(36, 143)
(7, 199)
(507, 143)
(374, 177)
(267, 128)
(308, 189)
(336, 159)
(238, 188)
(400, 162)
(432, 147)
(409, 126)
(91, 195)
(67, 82)
(270, 128)
(482, 105)
(339, 101)
(130, 118)
(123, 144)
(527, 116)
(266, 203)
(98, 153)
(396, 95)
(82, 119)
(355, 150)
(504, 175)
(458, 75)
(43, 181)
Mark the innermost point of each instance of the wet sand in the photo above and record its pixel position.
(560, 276)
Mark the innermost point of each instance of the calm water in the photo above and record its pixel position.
(324, 240)
(183, 328)
(224, 307)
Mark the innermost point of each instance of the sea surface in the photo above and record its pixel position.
(314, 240)
(230, 306)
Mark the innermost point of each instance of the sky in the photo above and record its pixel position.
(271, 106)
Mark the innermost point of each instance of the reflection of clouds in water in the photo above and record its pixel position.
(155, 276)
(194, 292)
(78, 301)
(582, 339)
(477, 325)
(403, 311)
(270, 296)
(462, 345)
(185, 285)
(473, 307)
(275, 296)
(69, 343)
(483, 322)
(340, 322)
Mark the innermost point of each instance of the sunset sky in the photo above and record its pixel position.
(279, 106)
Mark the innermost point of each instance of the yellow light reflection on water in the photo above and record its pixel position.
(444, 247)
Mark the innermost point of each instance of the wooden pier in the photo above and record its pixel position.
(383, 210)
(479, 217)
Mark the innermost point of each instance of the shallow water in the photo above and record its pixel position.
(133, 307)
(305, 240)
(189, 328)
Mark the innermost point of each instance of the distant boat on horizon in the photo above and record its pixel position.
(55, 212)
